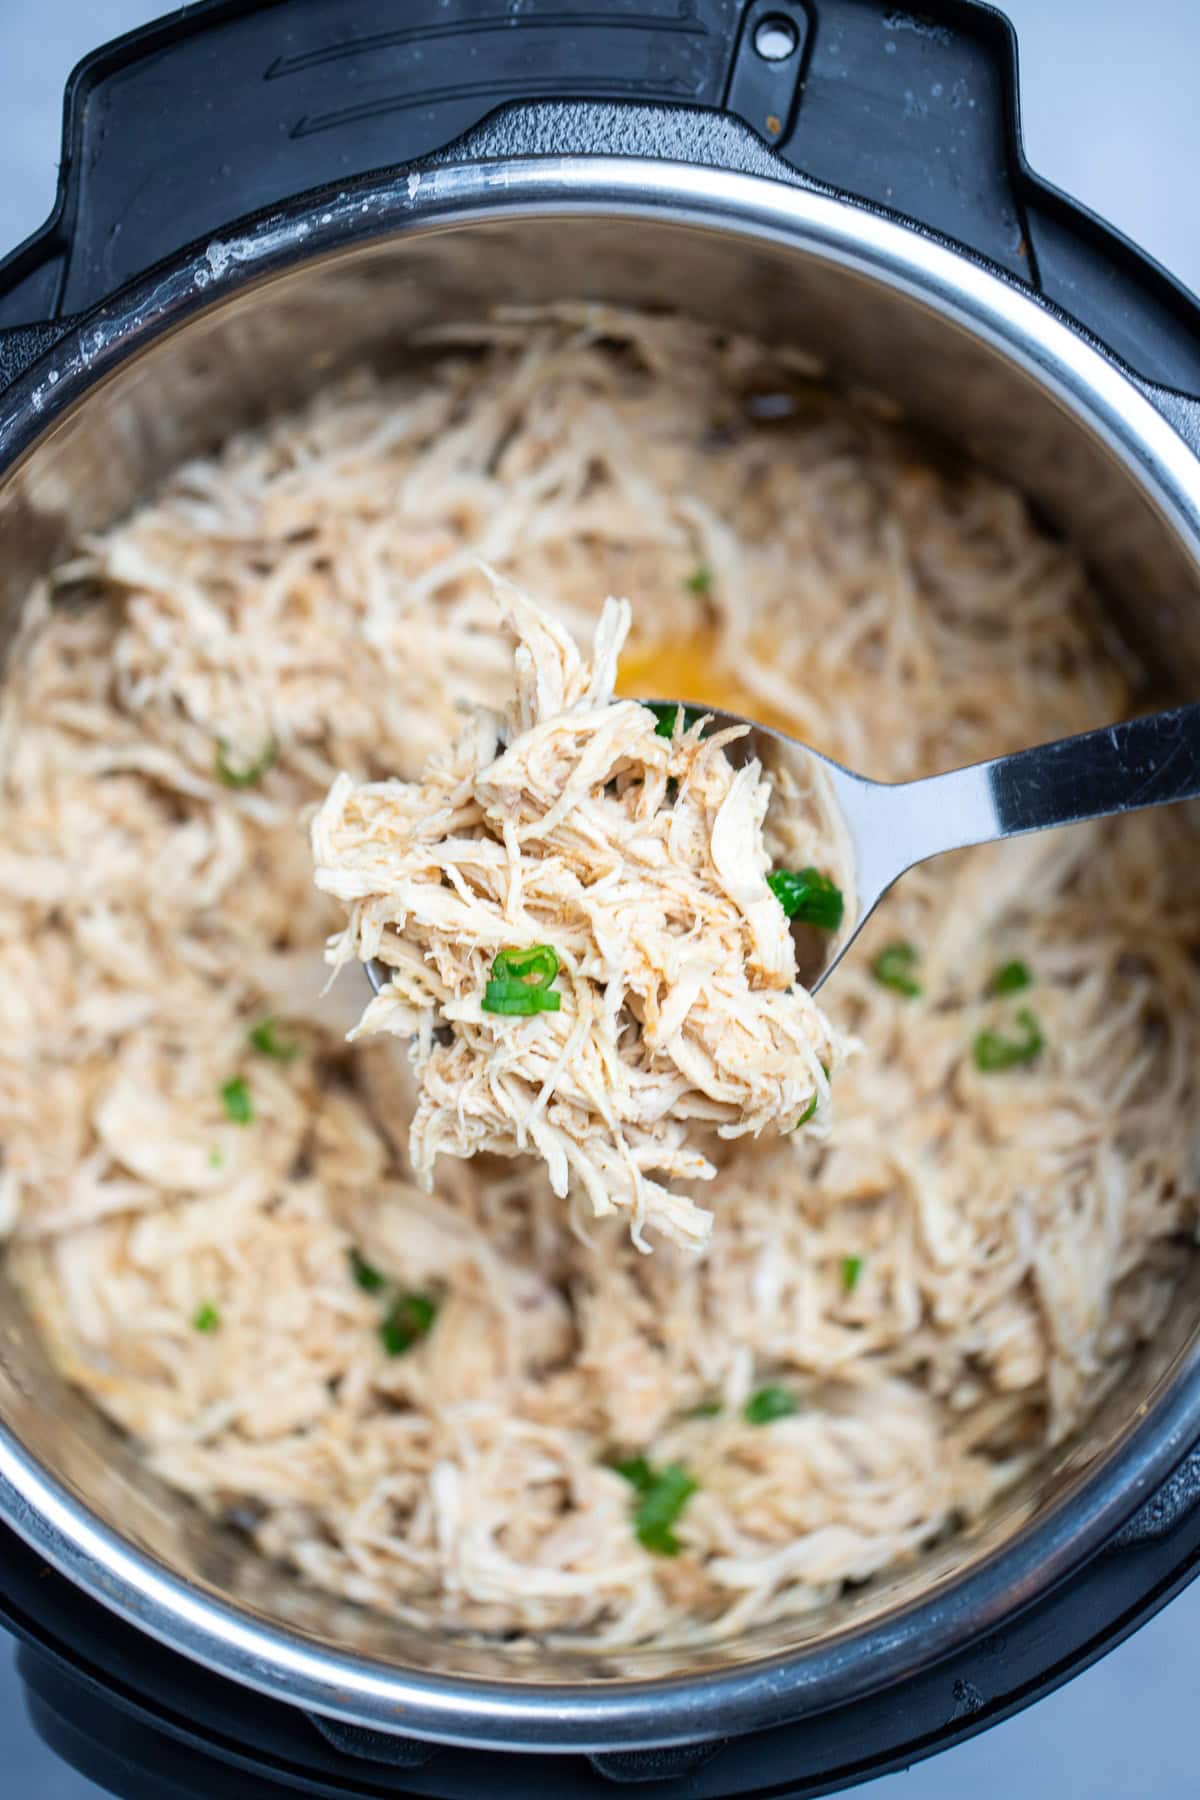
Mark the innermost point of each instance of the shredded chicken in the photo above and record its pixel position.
(921, 1306)
(639, 862)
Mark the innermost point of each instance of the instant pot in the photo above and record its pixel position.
(253, 197)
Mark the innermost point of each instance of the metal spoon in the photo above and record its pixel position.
(891, 826)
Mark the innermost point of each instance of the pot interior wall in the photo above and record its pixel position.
(271, 345)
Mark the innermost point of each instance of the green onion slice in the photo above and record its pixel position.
(538, 965)
(236, 1099)
(238, 774)
(518, 1000)
(662, 1496)
(637, 1472)
(808, 1112)
(520, 984)
(852, 1268)
(266, 1040)
(368, 1278)
(667, 715)
(1010, 978)
(894, 967)
(700, 579)
(409, 1318)
(206, 1317)
(659, 1507)
(993, 1051)
(808, 897)
(768, 1404)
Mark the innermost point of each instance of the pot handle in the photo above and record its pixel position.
(228, 109)
(223, 110)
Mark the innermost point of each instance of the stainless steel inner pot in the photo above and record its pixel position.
(256, 322)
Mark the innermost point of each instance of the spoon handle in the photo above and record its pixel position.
(1121, 768)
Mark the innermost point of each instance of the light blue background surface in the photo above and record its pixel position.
(1109, 92)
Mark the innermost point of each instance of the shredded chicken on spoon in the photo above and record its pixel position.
(579, 903)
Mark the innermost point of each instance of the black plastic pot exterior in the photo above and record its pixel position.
(236, 106)
(578, 117)
(152, 1726)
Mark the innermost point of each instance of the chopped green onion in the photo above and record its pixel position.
(266, 1040)
(206, 1317)
(852, 1268)
(808, 897)
(409, 1318)
(368, 1278)
(667, 715)
(894, 967)
(637, 1472)
(700, 579)
(993, 1051)
(808, 1112)
(768, 1404)
(707, 1409)
(237, 774)
(538, 965)
(520, 984)
(663, 1493)
(1010, 978)
(518, 1000)
(216, 1158)
(811, 1108)
(235, 1098)
(660, 1505)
